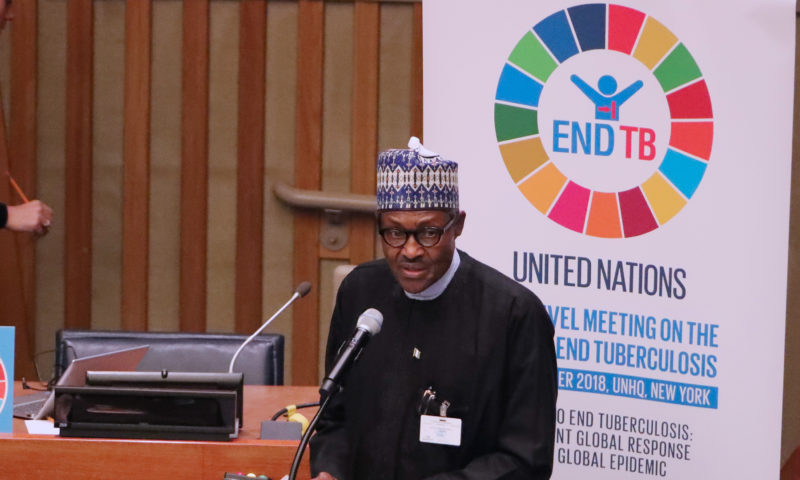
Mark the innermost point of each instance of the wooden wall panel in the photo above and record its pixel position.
(108, 128)
(51, 177)
(182, 144)
(136, 184)
(250, 168)
(337, 101)
(279, 133)
(416, 73)
(12, 296)
(365, 124)
(5, 73)
(395, 75)
(308, 152)
(339, 96)
(790, 438)
(194, 166)
(78, 157)
(22, 140)
(222, 159)
(22, 134)
(165, 167)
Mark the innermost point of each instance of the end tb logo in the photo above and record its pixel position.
(572, 136)
(604, 121)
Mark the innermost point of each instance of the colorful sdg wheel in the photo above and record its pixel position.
(604, 120)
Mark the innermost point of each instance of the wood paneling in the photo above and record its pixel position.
(416, 68)
(790, 435)
(169, 173)
(222, 164)
(51, 178)
(78, 158)
(279, 135)
(165, 167)
(194, 166)
(250, 166)
(22, 140)
(11, 291)
(396, 75)
(338, 95)
(791, 469)
(22, 131)
(136, 182)
(308, 154)
(108, 119)
(364, 140)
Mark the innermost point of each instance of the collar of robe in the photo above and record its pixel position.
(438, 287)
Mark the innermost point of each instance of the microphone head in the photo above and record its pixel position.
(303, 289)
(371, 321)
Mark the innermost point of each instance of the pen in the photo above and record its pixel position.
(16, 187)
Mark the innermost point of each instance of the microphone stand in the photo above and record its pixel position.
(369, 323)
(306, 437)
(301, 291)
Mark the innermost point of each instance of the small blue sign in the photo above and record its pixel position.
(6, 378)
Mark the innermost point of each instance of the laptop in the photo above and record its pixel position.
(39, 406)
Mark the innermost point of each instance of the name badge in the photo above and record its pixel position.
(440, 430)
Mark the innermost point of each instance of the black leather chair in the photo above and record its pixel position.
(261, 361)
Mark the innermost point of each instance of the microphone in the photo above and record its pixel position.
(368, 325)
(301, 291)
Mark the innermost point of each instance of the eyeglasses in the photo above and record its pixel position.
(425, 236)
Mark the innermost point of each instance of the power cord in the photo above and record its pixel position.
(27, 386)
(288, 408)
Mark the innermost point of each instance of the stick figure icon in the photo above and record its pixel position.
(607, 103)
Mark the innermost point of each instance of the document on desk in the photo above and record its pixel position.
(41, 427)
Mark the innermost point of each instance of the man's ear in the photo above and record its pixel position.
(459, 224)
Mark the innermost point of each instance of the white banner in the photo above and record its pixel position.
(630, 163)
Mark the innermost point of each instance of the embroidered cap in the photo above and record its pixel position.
(416, 179)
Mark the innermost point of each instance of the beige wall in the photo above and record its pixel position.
(394, 126)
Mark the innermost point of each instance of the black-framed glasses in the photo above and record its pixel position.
(425, 236)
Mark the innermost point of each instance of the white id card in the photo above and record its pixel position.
(440, 430)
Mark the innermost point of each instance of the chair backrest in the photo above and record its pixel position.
(261, 361)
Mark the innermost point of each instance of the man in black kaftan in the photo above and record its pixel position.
(462, 345)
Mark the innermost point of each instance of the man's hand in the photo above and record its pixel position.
(32, 217)
(324, 476)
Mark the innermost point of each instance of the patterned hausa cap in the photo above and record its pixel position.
(416, 179)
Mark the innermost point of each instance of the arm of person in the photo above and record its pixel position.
(525, 443)
(34, 217)
(329, 446)
(586, 89)
(624, 95)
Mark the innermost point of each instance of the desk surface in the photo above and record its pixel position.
(52, 457)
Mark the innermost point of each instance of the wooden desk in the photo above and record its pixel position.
(24, 456)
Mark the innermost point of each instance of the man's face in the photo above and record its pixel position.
(416, 267)
(6, 14)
